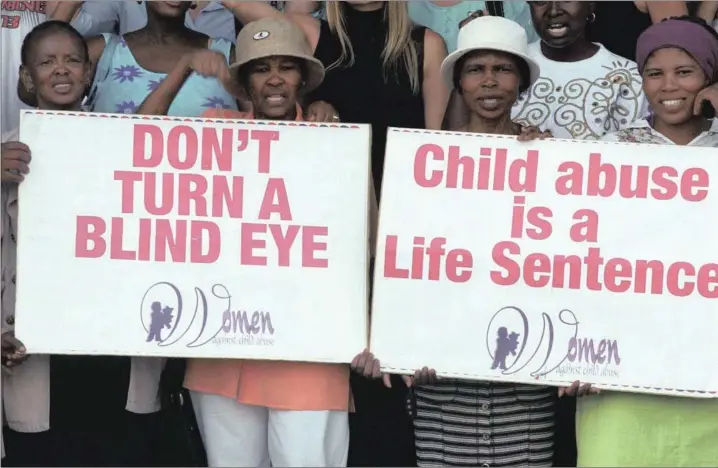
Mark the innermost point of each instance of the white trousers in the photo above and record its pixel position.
(254, 436)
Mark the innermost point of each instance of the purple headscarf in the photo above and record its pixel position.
(687, 35)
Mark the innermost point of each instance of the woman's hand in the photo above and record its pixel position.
(424, 376)
(533, 133)
(709, 94)
(320, 111)
(578, 390)
(209, 63)
(13, 351)
(367, 365)
(15, 161)
(472, 16)
(212, 64)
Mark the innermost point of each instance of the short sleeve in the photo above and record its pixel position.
(97, 17)
(225, 114)
(12, 135)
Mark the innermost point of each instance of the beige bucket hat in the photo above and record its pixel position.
(270, 37)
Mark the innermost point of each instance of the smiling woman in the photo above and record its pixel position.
(678, 59)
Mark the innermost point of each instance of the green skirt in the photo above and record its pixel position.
(625, 429)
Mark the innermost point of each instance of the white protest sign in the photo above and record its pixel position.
(548, 262)
(193, 237)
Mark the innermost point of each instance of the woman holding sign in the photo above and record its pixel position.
(257, 413)
(469, 423)
(90, 425)
(678, 60)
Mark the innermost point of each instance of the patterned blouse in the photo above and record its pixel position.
(641, 131)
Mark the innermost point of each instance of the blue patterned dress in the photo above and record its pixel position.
(128, 84)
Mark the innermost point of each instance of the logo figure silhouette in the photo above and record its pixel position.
(159, 318)
(505, 344)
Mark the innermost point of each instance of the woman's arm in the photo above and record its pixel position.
(95, 18)
(246, 12)
(435, 92)
(302, 7)
(662, 10)
(207, 63)
(160, 100)
(62, 11)
(708, 10)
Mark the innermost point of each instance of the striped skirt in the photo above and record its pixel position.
(468, 423)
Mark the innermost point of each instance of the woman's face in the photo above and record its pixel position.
(274, 85)
(560, 24)
(57, 71)
(168, 9)
(489, 82)
(671, 81)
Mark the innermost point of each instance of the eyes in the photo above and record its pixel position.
(502, 69)
(52, 61)
(283, 67)
(680, 72)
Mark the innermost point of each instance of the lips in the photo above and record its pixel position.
(62, 88)
(672, 103)
(489, 103)
(275, 99)
(557, 29)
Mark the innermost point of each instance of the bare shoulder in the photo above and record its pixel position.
(433, 42)
(95, 47)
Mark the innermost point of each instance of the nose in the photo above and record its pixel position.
(489, 80)
(275, 78)
(60, 69)
(554, 9)
(669, 82)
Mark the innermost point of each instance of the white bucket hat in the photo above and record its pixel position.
(490, 33)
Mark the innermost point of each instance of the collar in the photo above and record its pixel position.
(300, 114)
(212, 6)
(643, 123)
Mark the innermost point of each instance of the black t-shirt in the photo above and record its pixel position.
(617, 27)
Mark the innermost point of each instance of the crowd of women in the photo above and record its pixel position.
(529, 69)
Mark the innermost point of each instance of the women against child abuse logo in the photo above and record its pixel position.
(168, 319)
(516, 344)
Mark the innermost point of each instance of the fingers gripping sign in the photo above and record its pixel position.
(15, 161)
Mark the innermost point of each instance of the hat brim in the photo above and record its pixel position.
(315, 69)
(447, 66)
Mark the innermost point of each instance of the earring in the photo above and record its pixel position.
(304, 83)
(592, 18)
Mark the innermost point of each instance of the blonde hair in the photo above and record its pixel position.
(399, 49)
